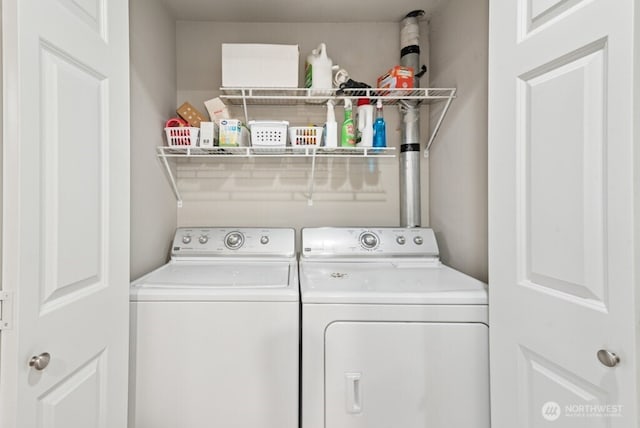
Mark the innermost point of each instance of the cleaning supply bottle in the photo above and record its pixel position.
(379, 128)
(331, 127)
(365, 123)
(318, 71)
(347, 138)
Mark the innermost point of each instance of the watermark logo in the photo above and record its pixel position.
(551, 411)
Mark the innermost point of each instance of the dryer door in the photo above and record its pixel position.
(410, 375)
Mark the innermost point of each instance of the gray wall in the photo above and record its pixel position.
(272, 192)
(153, 94)
(458, 159)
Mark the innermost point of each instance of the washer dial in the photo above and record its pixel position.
(234, 240)
(186, 239)
(369, 240)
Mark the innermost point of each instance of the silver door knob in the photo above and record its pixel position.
(40, 362)
(608, 358)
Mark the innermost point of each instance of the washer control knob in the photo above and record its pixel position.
(203, 239)
(401, 240)
(369, 240)
(234, 240)
(264, 240)
(418, 240)
(186, 239)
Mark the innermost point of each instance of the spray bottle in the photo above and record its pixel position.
(331, 127)
(348, 137)
(365, 123)
(379, 128)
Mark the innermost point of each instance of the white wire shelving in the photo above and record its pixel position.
(245, 97)
(297, 96)
(165, 153)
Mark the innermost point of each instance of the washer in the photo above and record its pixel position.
(390, 336)
(215, 332)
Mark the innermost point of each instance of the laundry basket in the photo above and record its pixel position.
(182, 136)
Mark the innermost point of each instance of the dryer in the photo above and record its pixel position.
(215, 332)
(390, 336)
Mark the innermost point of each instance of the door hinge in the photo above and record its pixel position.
(6, 310)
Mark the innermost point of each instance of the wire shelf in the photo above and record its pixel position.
(295, 96)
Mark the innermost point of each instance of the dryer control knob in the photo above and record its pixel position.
(234, 240)
(203, 239)
(401, 240)
(369, 240)
(264, 240)
(418, 240)
(186, 239)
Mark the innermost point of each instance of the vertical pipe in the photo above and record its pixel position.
(410, 208)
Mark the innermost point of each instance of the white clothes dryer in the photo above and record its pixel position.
(215, 332)
(390, 336)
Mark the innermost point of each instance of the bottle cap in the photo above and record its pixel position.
(363, 102)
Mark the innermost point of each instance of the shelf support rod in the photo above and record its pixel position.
(439, 123)
(174, 186)
(313, 178)
(244, 105)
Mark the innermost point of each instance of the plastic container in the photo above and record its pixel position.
(305, 136)
(268, 133)
(365, 123)
(182, 136)
(318, 71)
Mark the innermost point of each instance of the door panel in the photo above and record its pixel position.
(562, 151)
(66, 212)
(562, 271)
(73, 162)
(410, 375)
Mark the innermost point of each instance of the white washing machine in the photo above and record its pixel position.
(215, 333)
(390, 336)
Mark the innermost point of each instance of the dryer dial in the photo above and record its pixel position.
(203, 239)
(369, 240)
(186, 239)
(234, 240)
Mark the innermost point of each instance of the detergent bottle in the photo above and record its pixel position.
(365, 123)
(318, 72)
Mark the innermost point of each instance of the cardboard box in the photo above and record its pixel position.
(191, 115)
(398, 77)
(259, 65)
(208, 134)
(232, 134)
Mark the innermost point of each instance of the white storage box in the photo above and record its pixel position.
(259, 65)
(267, 133)
(182, 136)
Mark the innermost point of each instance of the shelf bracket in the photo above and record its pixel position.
(172, 178)
(436, 128)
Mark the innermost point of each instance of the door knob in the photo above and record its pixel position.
(608, 358)
(40, 362)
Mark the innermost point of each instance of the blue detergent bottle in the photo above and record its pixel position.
(379, 128)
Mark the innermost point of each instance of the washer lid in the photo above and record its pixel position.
(388, 283)
(226, 280)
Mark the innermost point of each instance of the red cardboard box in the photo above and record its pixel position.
(398, 77)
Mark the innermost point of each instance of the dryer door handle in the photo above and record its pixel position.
(354, 394)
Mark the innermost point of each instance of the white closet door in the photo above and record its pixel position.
(563, 256)
(66, 213)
